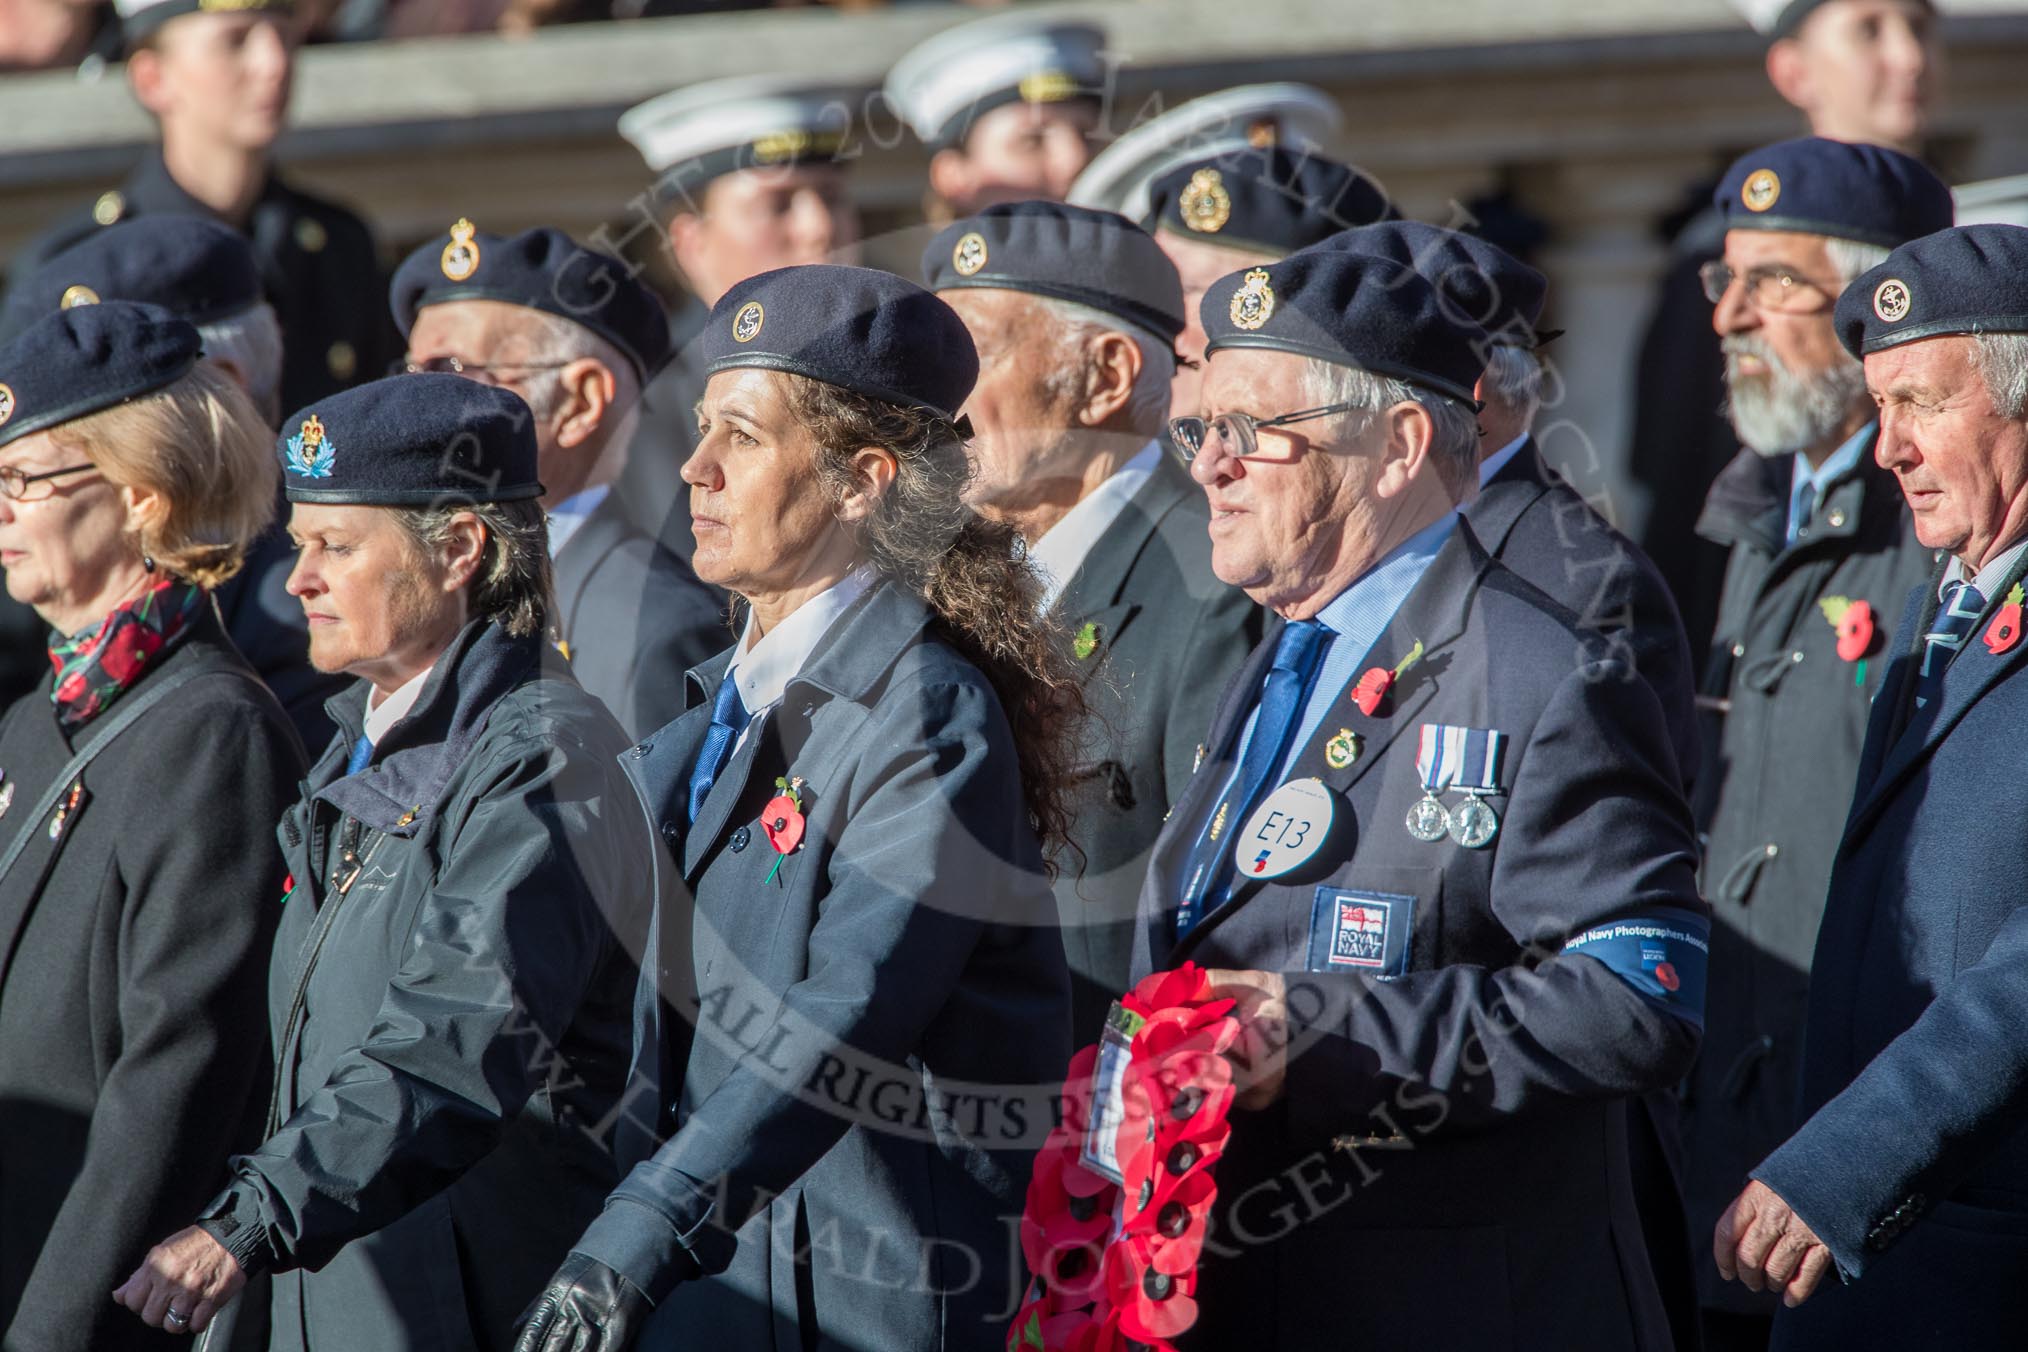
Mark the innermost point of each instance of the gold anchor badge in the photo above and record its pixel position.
(461, 256)
(1253, 302)
(1204, 204)
(1342, 750)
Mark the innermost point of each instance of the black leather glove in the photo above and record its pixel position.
(587, 1307)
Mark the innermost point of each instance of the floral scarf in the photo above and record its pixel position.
(96, 666)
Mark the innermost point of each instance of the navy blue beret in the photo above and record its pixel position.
(73, 362)
(1351, 309)
(860, 329)
(542, 269)
(1816, 186)
(1969, 279)
(426, 440)
(1095, 258)
(1478, 281)
(191, 266)
(1270, 199)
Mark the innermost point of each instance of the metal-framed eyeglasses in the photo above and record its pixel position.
(1770, 287)
(492, 373)
(14, 484)
(1233, 433)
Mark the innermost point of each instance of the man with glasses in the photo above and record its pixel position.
(1437, 852)
(1822, 555)
(574, 334)
(1075, 314)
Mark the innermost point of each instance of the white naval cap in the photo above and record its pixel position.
(1295, 115)
(1780, 18)
(138, 18)
(1996, 201)
(940, 86)
(693, 135)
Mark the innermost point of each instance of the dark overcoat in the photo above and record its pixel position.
(133, 942)
(1784, 719)
(1160, 636)
(1913, 1150)
(1446, 1163)
(880, 1022)
(450, 998)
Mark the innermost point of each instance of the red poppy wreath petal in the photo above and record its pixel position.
(1151, 1304)
(1165, 990)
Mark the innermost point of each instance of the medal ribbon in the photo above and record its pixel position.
(1440, 757)
(1482, 753)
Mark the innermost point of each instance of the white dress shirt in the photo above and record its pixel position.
(1064, 547)
(761, 670)
(1988, 579)
(386, 713)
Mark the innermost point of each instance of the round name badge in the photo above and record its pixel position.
(1287, 830)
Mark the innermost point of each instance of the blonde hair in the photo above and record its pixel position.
(199, 443)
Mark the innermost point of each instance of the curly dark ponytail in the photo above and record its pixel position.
(973, 574)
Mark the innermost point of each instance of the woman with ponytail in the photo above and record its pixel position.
(854, 1000)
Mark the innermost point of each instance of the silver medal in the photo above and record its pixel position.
(1428, 821)
(1473, 824)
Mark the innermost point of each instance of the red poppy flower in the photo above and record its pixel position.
(1151, 1304)
(1176, 1224)
(1372, 689)
(782, 823)
(2005, 630)
(1855, 632)
(124, 657)
(1067, 1217)
(1185, 985)
(1075, 1098)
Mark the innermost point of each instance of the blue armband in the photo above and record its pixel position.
(1662, 953)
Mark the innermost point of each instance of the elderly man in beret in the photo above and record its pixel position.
(207, 272)
(1438, 853)
(1821, 555)
(1074, 312)
(1905, 1175)
(1238, 208)
(573, 333)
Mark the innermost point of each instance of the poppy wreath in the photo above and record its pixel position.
(1115, 1265)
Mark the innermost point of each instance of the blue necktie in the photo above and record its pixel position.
(362, 752)
(1281, 705)
(728, 716)
(1961, 608)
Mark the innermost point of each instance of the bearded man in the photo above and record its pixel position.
(1822, 557)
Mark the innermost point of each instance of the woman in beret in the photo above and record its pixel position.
(452, 986)
(139, 790)
(859, 797)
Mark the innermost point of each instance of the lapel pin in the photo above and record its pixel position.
(2005, 630)
(1342, 749)
(1087, 641)
(1853, 623)
(782, 822)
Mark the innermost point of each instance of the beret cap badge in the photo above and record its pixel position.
(74, 296)
(1891, 300)
(461, 256)
(6, 403)
(746, 325)
(969, 254)
(311, 453)
(1205, 205)
(1254, 302)
(1762, 189)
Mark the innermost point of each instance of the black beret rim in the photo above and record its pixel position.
(768, 361)
(1164, 225)
(97, 402)
(408, 497)
(1945, 328)
(1804, 225)
(429, 296)
(1339, 357)
(1155, 321)
(957, 128)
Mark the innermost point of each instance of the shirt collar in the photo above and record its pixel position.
(1405, 563)
(390, 711)
(1498, 460)
(1064, 547)
(568, 515)
(1836, 466)
(1988, 578)
(762, 670)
